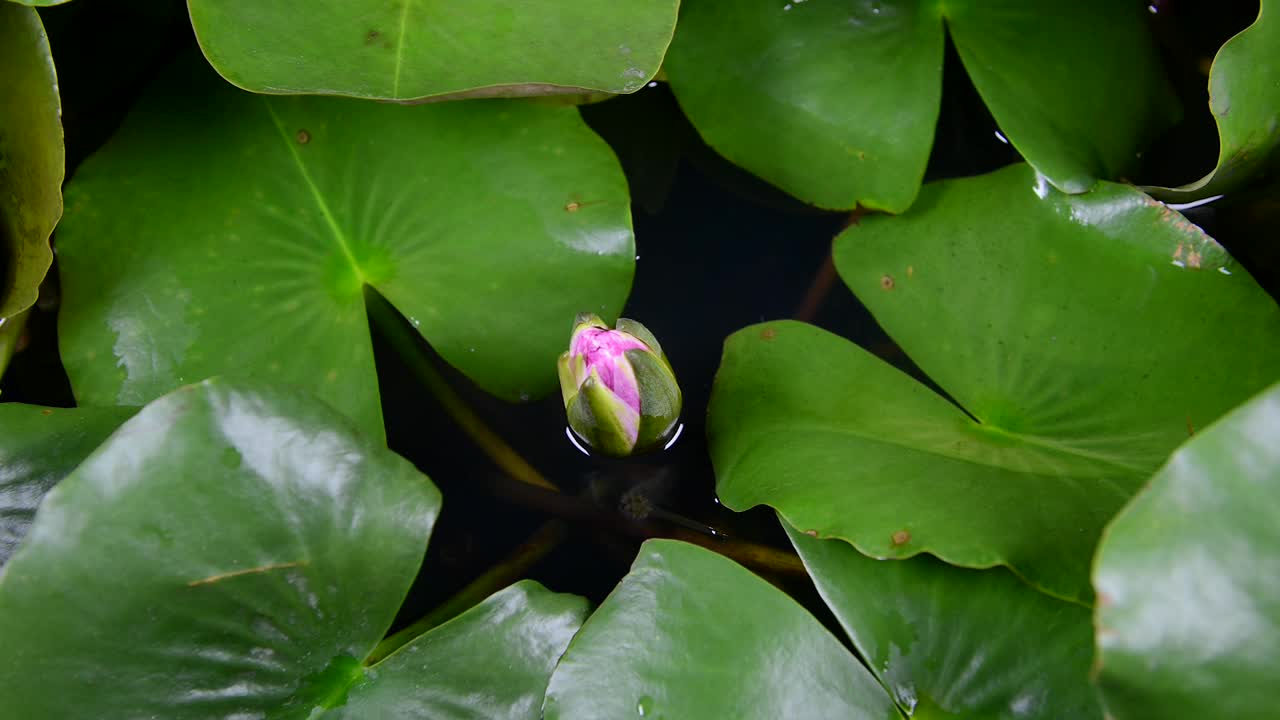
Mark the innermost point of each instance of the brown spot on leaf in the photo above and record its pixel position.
(1191, 429)
(371, 37)
(768, 334)
(886, 282)
(304, 137)
(902, 537)
(1193, 260)
(577, 203)
(911, 271)
(46, 411)
(811, 533)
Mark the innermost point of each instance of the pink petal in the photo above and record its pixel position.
(604, 352)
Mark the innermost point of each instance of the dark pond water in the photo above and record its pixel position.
(718, 250)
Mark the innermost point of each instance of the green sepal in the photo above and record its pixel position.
(660, 398)
(581, 420)
(607, 412)
(586, 319)
(641, 333)
(568, 382)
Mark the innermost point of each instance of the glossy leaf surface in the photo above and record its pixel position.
(490, 663)
(227, 233)
(409, 49)
(1188, 579)
(234, 550)
(836, 103)
(1081, 335)
(38, 447)
(690, 634)
(1244, 97)
(31, 158)
(1077, 87)
(953, 642)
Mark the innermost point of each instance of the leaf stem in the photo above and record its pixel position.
(537, 546)
(826, 275)
(745, 552)
(405, 343)
(818, 290)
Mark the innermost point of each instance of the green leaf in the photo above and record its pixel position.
(31, 157)
(1244, 96)
(226, 233)
(690, 634)
(1078, 88)
(1081, 336)
(951, 642)
(244, 545)
(490, 663)
(1187, 576)
(39, 3)
(407, 49)
(232, 549)
(38, 447)
(836, 103)
(831, 102)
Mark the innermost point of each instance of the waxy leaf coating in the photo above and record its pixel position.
(836, 102)
(237, 550)
(1081, 338)
(1188, 579)
(414, 49)
(221, 232)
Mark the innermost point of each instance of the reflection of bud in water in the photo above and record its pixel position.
(619, 391)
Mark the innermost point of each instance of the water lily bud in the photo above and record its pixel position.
(619, 391)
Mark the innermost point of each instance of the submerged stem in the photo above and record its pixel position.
(405, 343)
(745, 552)
(818, 290)
(825, 277)
(537, 546)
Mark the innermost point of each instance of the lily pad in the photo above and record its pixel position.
(258, 548)
(1081, 337)
(1188, 579)
(490, 663)
(836, 103)
(221, 232)
(409, 50)
(830, 102)
(954, 642)
(690, 634)
(31, 157)
(1244, 97)
(38, 447)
